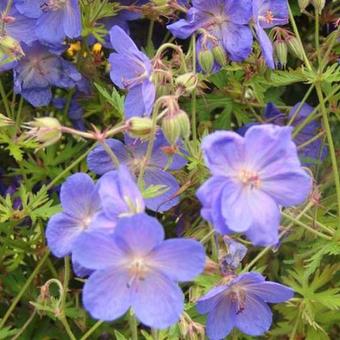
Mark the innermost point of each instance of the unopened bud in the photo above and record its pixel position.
(176, 126)
(303, 4)
(281, 52)
(11, 47)
(295, 47)
(139, 127)
(187, 81)
(319, 5)
(219, 55)
(45, 130)
(206, 60)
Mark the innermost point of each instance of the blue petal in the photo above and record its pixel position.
(79, 197)
(119, 194)
(72, 19)
(61, 232)
(121, 42)
(157, 301)
(271, 292)
(223, 152)
(79, 270)
(209, 301)
(255, 319)
(49, 26)
(221, 319)
(266, 46)
(106, 294)
(239, 11)
(179, 259)
(237, 40)
(168, 199)
(100, 162)
(94, 250)
(139, 234)
(37, 96)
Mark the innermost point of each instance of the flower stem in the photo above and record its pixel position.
(194, 94)
(91, 330)
(297, 34)
(331, 146)
(305, 226)
(5, 100)
(24, 288)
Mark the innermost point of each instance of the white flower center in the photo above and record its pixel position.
(138, 268)
(249, 178)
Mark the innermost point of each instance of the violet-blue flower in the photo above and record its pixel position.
(135, 268)
(221, 23)
(38, 71)
(261, 169)
(132, 155)
(131, 70)
(56, 19)
(88, 206)
(242, 303)
(267, 14)
(17, 25)
(80, 202)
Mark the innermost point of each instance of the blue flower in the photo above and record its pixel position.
(56, 19)
(88, 206)
(132, 154)
(225, 23)
(135, 268)
(258, 170)
(267, 14)
(81, 206)
(38, 71)
(242, 303)
(236, 252)
(131, 70)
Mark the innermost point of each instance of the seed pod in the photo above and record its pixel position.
(295, 48)
(45, 130)
(11, 47)
(206, 60)
(176, 126)
(187, 81)
(281, 52)
(139, 127)
(219, 55)
(319, 5)
(303, 4)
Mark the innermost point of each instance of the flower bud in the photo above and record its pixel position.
(139, 127)
(45, 130)
(176, 126)
(281, 52)
(206, 60)
(319, 5)
(303, 4)
(11, 47)
(187, 81)
(295, 47)
(219, 55)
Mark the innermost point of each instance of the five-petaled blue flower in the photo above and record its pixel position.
(242, 303)
(267, 14)
(132, 155)
(253, 176)
(222, 23)
(87, 206)
(39, 70)
(56, 19)
(135, 267)
(131, 70)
